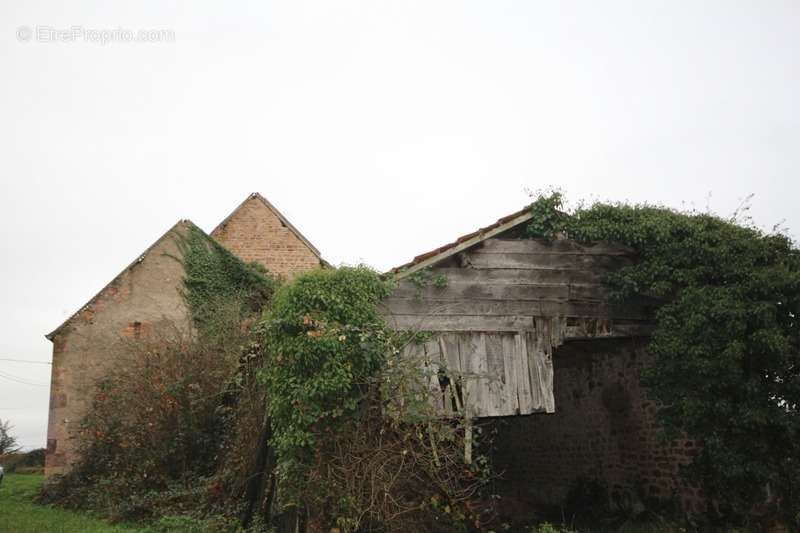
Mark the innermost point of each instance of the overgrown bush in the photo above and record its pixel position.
(358, 443)
(157, 418)
(727, 341)
(323, 340)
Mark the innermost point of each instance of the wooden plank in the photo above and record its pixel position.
(545, 276)
(559, 246)
(472, 348)
(558, 330)
(468, 389)
(580, 332)
(582, 308)
(541, 359)
(417, 354)
(594, 292)
(432, 364)
(534, 356)
(510, 367)
(522, 373)
(496, 382)
(549, 398)
(480, 365)
(460, 247)
(494, 356)
(432, 351)
(477, 291)
(459, 323)
(436, 361)
(416, 306)
(448, 344)
(478, 259)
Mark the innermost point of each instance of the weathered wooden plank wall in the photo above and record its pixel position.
(507, 305)
(487, 374)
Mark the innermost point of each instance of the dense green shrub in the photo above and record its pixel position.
(727, 341)
(323, 339)
(358, 443)
(157, 418)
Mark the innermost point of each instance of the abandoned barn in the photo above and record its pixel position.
(525, 331)
(522, 329)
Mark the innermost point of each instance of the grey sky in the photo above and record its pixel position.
(380, 129)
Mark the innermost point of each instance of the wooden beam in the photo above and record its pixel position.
(460, 247)
(454, 323)
(556, 246)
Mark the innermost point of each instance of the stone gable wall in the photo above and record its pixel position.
(133, 306)
(144, 296)
(255, 233)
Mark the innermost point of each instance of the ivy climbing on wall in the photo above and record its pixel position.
(726, 344)
(324, 338)
(217, 282)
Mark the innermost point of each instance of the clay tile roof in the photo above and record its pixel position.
(462, 243)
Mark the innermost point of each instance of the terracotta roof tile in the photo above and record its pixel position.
(460, 240)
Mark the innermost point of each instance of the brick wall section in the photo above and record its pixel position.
(133, 305)
(604, 428)
(254, 232)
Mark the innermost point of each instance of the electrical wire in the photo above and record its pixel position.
(20, 380)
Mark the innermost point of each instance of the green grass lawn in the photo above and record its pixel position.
(18, 513)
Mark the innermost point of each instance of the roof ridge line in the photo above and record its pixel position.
(469, 240)
(281, 217)
(139, 259)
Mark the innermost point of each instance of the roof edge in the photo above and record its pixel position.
(139, 259)
(467, 241)
(283, 219)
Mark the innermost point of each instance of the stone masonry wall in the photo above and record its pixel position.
(136, 302)
(604, 429)
(143, 296)
(255, 233)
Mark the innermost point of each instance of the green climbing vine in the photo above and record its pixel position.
(165, 422)
(726, 344)
(217, 283)
(426, 278)
(323, 338)
(357, 441)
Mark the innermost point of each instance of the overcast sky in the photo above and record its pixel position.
(380, 130)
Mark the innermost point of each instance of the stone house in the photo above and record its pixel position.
(144, 295)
